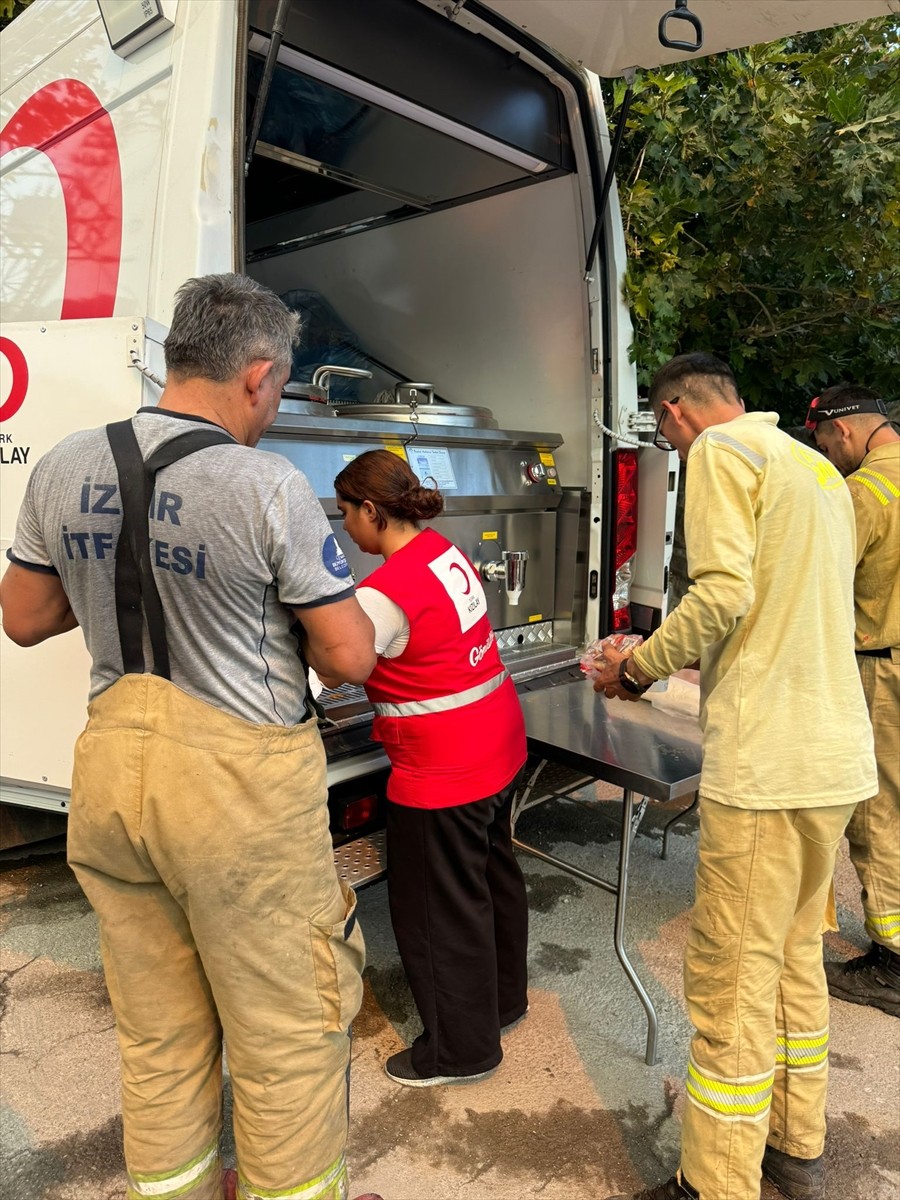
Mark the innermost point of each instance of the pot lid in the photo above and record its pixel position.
(305, 408)
(466, 415)
(297, 389)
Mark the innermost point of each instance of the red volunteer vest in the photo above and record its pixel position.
(446, 709)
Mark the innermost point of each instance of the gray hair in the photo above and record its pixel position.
(223, 323)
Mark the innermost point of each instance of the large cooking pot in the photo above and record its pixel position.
(305, 399)
(414, 403)
(425, 414)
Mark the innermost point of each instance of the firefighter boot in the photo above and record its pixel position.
(796, 1178)
(673, 1190)
(872, 979)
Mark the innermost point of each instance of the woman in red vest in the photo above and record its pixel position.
(450, 721)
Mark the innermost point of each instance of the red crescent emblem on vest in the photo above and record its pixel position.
(16, 359)
(67, 122)
(467, 582)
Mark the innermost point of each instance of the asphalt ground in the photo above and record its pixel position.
(572, 1113)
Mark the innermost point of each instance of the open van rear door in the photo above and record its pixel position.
(609, 36)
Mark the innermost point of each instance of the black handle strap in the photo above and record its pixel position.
(137, 595)
(680, 12)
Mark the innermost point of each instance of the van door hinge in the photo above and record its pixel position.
(640, 422)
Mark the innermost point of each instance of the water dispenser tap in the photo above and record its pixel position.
(510, 571)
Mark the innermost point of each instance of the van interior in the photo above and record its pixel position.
(412, 192)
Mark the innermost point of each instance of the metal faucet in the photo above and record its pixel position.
(510, 570)
(322, 374)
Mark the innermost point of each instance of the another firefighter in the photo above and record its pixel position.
(199, 824)
(769, 536)
(852, 429)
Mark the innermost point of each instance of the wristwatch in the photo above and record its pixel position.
(628, 681)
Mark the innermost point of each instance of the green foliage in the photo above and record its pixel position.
(761, 197)
(10, 9)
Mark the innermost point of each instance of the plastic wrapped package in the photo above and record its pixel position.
(593, 657)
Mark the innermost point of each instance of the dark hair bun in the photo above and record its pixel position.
(421, 503)
(387, 482)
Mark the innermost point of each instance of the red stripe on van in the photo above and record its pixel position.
(67, 122)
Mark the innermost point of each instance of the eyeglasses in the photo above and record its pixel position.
(660, 442)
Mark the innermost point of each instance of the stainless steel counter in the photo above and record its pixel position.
(631, 745)
(647, 753)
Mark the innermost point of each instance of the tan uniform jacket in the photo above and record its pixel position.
(771, 548)
(875, 489)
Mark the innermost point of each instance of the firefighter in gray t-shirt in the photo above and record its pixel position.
(198, 825)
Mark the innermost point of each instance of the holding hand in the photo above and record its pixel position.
(614, 673)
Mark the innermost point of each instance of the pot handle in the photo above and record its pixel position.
(414, 399)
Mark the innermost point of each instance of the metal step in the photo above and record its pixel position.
(362, 861)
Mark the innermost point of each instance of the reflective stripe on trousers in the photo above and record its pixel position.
(330, 1185)
(738, 1099)
(167, 1185)
(802, 1051)
(202, 843)
(884, 928)
(756, 993)
(437, 704)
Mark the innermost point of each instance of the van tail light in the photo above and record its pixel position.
(626, 469)
(359, 812)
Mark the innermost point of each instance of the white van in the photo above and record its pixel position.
(424, 180)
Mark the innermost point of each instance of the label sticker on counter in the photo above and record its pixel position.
(490, 537)
(348, 457)
(536, 617)
(433, 464)
(398, 450)
(547, 460)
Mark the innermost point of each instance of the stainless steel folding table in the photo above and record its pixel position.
(649, 754)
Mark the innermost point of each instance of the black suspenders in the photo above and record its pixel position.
(137, 595)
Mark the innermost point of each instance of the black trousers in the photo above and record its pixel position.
(460, 916)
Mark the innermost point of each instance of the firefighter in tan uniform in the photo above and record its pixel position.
(770, 538)
(852, 429)
(199, 822)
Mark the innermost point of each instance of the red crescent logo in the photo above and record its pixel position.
(16, 359)
(467, 582)
(67, 122)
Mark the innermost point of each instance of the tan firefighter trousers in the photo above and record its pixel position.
(756, 994)
(874, 829)
(202, 843)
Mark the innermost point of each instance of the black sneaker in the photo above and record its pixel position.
(399, 1067)
(872, 979)
(673, 1190)
(796, 1178)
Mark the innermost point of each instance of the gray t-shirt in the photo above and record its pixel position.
(236, 534)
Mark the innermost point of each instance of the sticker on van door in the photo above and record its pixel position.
(18, 366)
(66, 121)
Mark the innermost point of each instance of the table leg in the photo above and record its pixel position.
(664, 853)
(619, 938)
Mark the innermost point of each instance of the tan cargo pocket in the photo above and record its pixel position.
(339, 955)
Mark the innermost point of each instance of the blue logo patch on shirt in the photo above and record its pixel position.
(333, 558)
